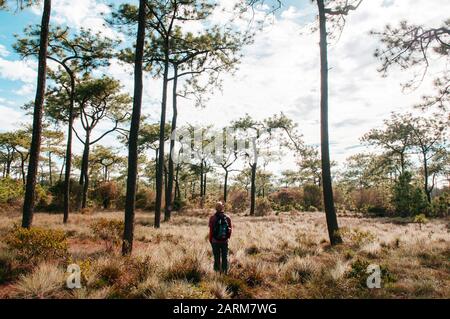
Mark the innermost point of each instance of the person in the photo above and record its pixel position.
(220, 229)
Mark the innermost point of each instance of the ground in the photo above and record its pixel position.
(283, 255)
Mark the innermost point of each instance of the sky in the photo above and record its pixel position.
(279, 72)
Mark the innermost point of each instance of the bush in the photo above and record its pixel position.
(370, 200)
(189, 268)
(57, 192)
(11, 191)
(408, 199)
(440, 205)
(420, 219)
(287, 199)
(238, 200)
(262, 206)
(145, 198)
(36, 244)
(106, 193)
(358, 271)
(110, 231)
(43, 198)
(312, 196)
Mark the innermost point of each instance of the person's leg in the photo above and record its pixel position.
(224, 253)
(216, 254)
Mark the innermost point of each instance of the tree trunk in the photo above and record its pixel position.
(28, 203)
(84, 175)
(177, 183)
(201, 179)
(425, 176)
(253, 190)
(130, 200)
(225, 193)
(330, 212)
(50, 179)
(168, 208)
(160, 167)
(68, 160)
(22, 169)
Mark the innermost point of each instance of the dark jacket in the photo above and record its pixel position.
(212, 220)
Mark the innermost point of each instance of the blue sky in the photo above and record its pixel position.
(279, 72)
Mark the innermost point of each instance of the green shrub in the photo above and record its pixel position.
(440, 205)
(108, 230)
(11, 191)
(358, 271)
(262, 206)
(420, 219)
(36, 244)
(312, 196)
(408, 199)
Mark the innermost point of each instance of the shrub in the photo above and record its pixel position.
(299, 270)
(238, 200)
(356, 236)
(440, 205)
(43, 198)
(287, 199)
(359, 272)
(8, 271)
(36, 244)
(11, 191)
(312, 196)
(108, 230)
(370, 200)
(262, 206)
(237, 288)
(408, 199)
(46, 281)
(145, 198)
(57, 192)
(420, 219)
(106, 193)
(189, 268)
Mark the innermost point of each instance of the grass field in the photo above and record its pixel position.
(277, 256)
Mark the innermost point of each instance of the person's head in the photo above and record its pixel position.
(219, 207)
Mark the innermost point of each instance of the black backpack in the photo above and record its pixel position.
(221, 227)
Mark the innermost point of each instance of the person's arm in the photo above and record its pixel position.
(230, 229)
(210, 229)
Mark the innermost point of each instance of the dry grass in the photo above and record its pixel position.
(284, 256)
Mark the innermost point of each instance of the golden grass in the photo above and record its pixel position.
(284, 256)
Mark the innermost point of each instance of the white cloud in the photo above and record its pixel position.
(18, 70)
(10, 118)
(25, 90)
(3, 51)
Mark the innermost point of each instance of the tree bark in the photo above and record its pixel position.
(84, 176)
(50, 179)
(253, 190)
(330, 211)
(160, 167)
(28, 204)
(425, 173)
(69, 151)
(168, 207)
(130, 200)
(225, 192)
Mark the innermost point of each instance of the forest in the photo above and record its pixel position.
(116, 174)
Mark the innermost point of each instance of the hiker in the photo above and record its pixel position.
(219, 233)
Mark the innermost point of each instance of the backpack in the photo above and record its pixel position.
(221, 227)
